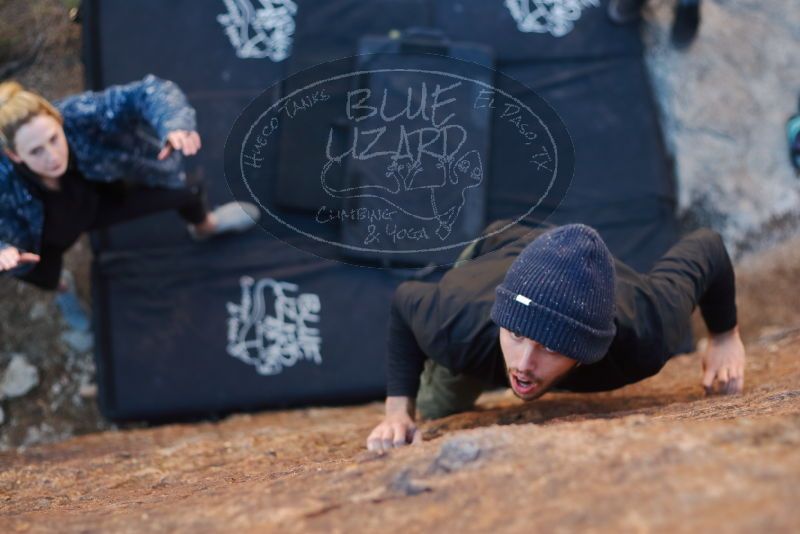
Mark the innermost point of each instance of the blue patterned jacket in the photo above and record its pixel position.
(113, 134)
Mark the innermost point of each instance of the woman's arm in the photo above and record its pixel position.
(159, 103)
(15, 246)
(404, 366)
(15, 261)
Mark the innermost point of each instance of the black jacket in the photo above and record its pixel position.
(449, 321)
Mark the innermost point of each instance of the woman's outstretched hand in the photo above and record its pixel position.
(187, 142)
(11, 258)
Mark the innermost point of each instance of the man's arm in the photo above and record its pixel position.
(406, 358)
(406, 361)
(698, 271)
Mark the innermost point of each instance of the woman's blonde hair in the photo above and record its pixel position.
(18, 106)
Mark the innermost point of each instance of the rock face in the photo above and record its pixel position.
(655, 456)
(725, 102)
(455, 454)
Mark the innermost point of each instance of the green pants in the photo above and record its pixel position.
(443, 393)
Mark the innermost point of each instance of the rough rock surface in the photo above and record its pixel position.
(725, 102)
(655, 456)
(658, 455)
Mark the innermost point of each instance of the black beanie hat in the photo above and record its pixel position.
(560, 293)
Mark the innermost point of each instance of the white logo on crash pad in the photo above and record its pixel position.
(273, 342)
(264, 32)
(556, 17)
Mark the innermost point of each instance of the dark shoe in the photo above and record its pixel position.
(686, 23)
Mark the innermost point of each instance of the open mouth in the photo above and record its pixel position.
(523, 385)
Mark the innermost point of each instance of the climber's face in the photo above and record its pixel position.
(41, 144)
(532, 368)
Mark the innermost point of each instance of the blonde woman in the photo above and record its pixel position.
(93, 160)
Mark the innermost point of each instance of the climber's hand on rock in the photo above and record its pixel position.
(394, 431)
(723, 363)
(397, 428)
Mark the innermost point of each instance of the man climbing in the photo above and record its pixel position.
(548, 307)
